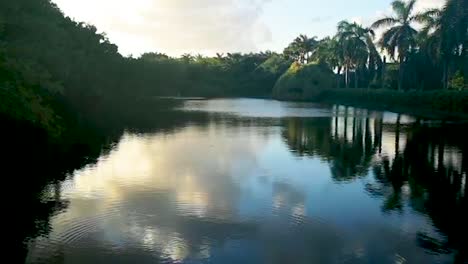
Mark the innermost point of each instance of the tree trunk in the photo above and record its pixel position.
(445, 75)
(401, 74)
(347, 76)
(356, 78)
(338, 77)
(382, 77)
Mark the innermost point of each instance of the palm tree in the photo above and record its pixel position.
(454, 34)
(301, 48)
(454, 24)
(352, 47)
(429, 40)
(328, 52)
(401, 37)
(445, 35)
(358, 49)
(187, 58)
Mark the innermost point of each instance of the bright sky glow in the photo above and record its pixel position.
(209, 26)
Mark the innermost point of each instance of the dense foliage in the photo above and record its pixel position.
(303, 82)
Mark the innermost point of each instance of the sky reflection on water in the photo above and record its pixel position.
(320, 185)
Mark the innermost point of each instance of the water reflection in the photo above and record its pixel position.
(349, 186)
(414, 166)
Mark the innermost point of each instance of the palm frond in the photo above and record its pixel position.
(424, 32)
(399, 7)
(428, 17)
(389, 40)
(384, 22)
(344, 26)
(409, 9)
(433, 12)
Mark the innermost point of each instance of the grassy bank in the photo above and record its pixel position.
(436, 104)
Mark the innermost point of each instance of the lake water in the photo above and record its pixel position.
(261, 181)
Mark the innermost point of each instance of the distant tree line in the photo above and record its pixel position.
(53, 68)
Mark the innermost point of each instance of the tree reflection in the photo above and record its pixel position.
(433, 169)
(25, 153)
(424, 169)
(39, 167)
(346, 141)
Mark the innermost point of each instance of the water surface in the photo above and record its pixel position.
(261, 181)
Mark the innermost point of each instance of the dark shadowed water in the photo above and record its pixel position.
(260, 181)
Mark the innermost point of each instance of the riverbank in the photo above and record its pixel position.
(448, 105)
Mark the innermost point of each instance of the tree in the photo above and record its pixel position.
(426, 59)
(400, 38)
(358, 50)
(454, 36)
(444, 37)
(187, 58)
(154, 56)
(301, 48)
(328, 52)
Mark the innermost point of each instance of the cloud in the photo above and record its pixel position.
(205, 26)
(176, 26)
(422, 5)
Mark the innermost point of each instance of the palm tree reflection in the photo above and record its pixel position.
(409, 165)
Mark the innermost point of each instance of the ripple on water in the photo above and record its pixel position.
(68, 232)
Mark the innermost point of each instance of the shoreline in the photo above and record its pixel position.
(422, 113)
(425, 105)
(329, 97)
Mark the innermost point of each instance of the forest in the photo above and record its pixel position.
(60, 75)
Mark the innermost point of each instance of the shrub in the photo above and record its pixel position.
(303, 82)
(458, 82)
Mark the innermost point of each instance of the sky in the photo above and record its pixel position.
(208, 27)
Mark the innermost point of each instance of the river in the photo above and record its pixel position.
(262, 181)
